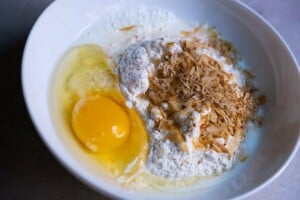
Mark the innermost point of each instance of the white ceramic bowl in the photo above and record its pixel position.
(264, 52)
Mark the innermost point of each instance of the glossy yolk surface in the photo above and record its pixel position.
(134, 150)
(100, 123)
(110, 132)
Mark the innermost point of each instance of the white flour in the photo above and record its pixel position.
(165, 158)
(149, 24)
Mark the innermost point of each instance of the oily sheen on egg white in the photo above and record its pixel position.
(94, 109)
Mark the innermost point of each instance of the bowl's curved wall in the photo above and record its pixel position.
(264, 52)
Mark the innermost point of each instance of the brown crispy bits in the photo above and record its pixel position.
(128, 28)
(188, 81)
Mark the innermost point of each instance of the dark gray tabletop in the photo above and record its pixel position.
(29, 171)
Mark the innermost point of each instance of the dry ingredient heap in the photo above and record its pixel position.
(194, 101)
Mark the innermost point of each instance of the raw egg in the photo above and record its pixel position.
(100, 123)
(94, 108)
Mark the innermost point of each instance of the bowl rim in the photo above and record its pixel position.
(293, 58)
(109, 193)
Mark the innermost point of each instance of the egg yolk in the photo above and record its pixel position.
(94, 107)
(100, 123)
(134, 150)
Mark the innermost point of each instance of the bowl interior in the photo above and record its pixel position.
(264, 53)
